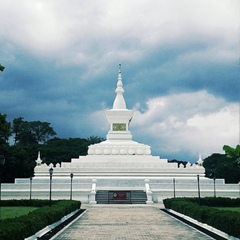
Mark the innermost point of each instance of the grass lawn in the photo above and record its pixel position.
(234, 209)
(12, 212)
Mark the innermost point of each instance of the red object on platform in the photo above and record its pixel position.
(120, 196)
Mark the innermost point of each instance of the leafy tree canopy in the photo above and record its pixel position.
(27, 133)
(5, 128)
(233, 153)
(220, 166)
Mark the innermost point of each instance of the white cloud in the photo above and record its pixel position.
(99, 123)
(189, 122)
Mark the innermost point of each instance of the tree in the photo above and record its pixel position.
(16, 129)
(233, 153)
(95, 139)
(5, 128)
(24, 135)
(220, 166)
(42, 131)
(27, 133)
(20, 162)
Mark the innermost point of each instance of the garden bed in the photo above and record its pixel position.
(205, 210)
(27, 225)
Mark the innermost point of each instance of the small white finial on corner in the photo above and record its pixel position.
(200, 161)
(39, 160)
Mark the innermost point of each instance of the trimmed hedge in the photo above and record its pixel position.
(28, 203)
(202, 210)
(27, 225)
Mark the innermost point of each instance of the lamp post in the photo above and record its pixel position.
(30, 187)
(2, 161)
(198, 186)
(213, 170)
(214, 186)
(50, 194)
(174, 192)
(71, 176)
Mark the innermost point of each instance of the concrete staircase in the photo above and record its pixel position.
(138, 197)
(121, 197)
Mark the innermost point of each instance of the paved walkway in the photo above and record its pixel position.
(128, 222)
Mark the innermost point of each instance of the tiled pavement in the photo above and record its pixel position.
(128, 222)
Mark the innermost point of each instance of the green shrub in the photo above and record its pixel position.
(29, 203)
(202, 210)
(217, 202)
(25, 226)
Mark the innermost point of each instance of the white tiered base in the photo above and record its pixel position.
(124, 147)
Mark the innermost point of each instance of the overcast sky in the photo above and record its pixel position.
(180, 69)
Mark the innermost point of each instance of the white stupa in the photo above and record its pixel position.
(119, 138)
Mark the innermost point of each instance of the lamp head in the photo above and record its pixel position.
(51, 171)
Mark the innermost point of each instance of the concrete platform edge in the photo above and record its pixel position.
(208, 229)
(49, 228)
(59, 232)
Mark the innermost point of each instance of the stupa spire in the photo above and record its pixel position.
(119, 102)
